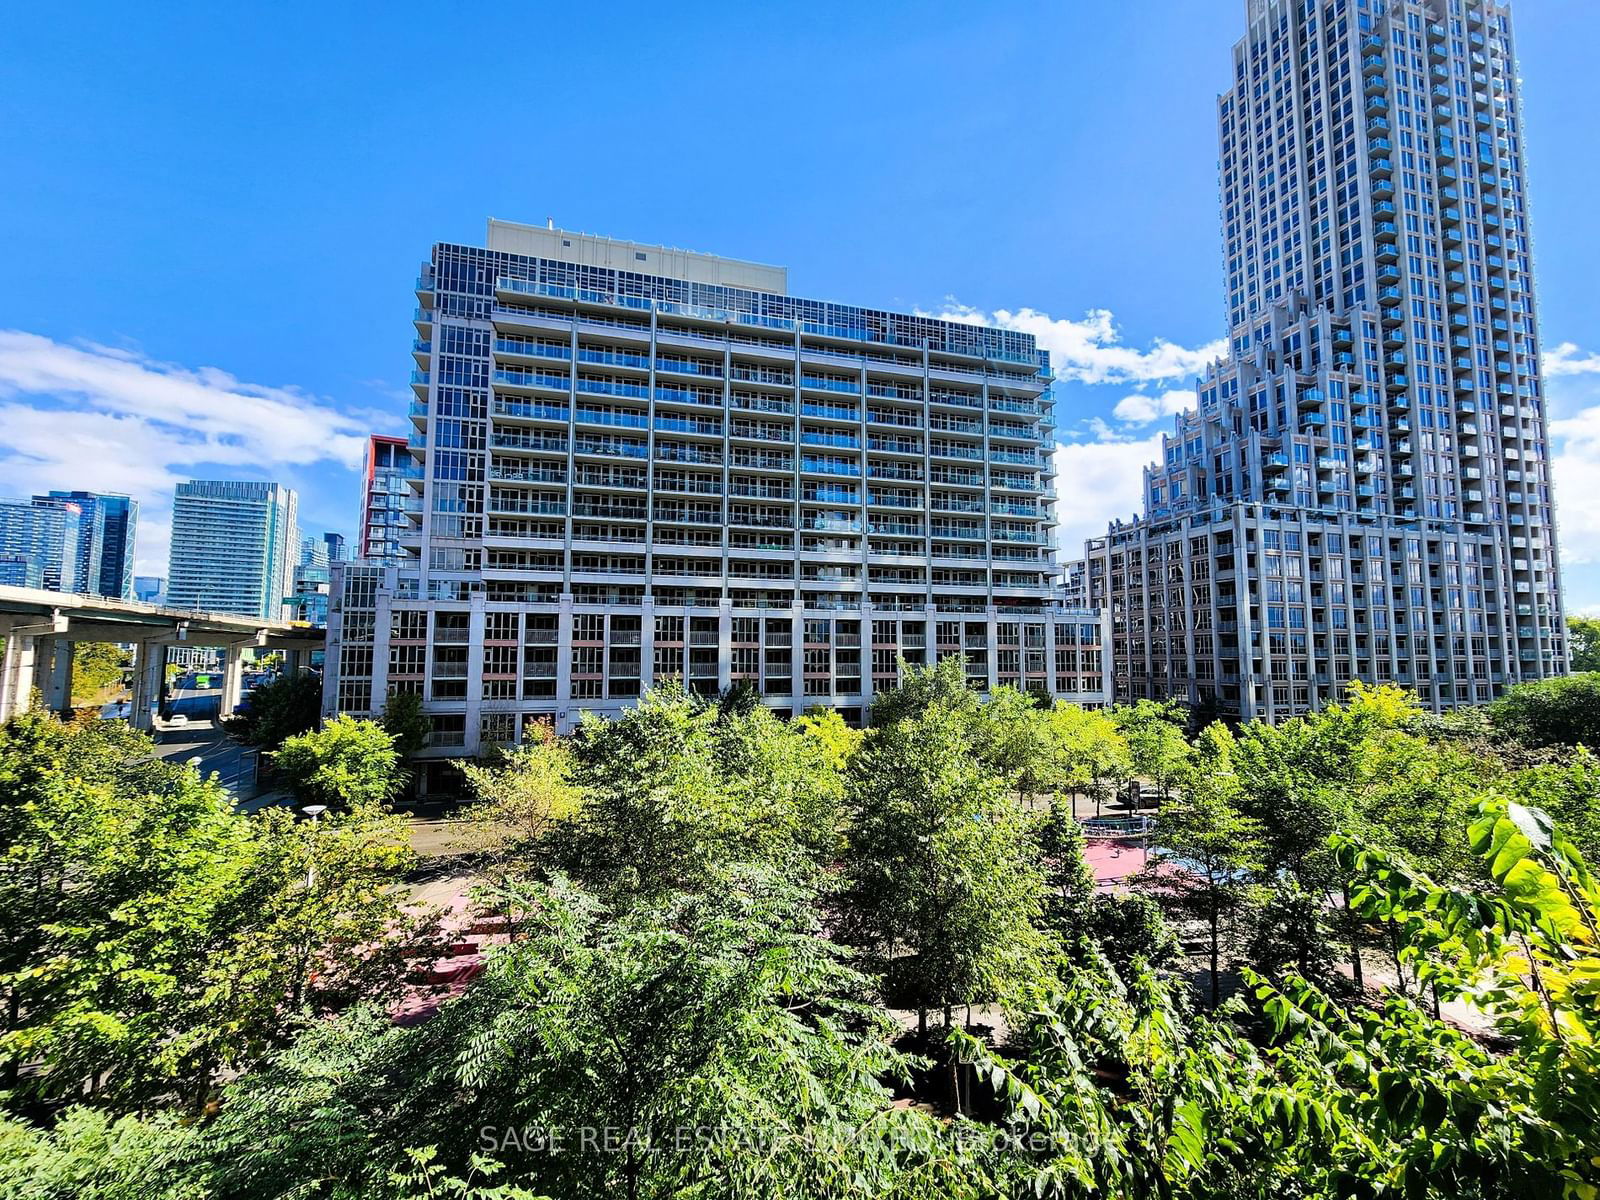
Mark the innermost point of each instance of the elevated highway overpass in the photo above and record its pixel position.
(41, 626)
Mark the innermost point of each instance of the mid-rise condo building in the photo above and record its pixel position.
(1363, 490)
(631, 463)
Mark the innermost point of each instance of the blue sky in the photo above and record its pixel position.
(212, 214)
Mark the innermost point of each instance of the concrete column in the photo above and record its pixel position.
(647, 644)
(564, 654)
(58, 686)
(865, 651)
(382, 627)
(16, 674)
(149, 682)
(44, 653)
(232, 678)
(293, 660)
(725, 646)
(797, 657)
(477, 625)
(993, 634)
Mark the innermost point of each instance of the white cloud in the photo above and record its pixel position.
(1091, 350)
(1141, 409)
(96, 417)
(1097, 482)
(1574, 466)
(1568, 359)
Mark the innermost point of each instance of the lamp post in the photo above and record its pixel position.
(314, 811)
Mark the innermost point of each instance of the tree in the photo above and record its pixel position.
(1551, 712)
(943, 685)
(940, 881)
(1069, 884)
(156, 938)
(1013, 737)
(672, 788)
(1208, 849)
(1583, 644)
(522, 792)
(839, 742)
(276, 711)
(714, 1039)
(98, 670)
(1396, 1100)
(90, 1155)
(1156, 745)
(346, 763)
(1569, 791)
(405, 721)
(1088, 751)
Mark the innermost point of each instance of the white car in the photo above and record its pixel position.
(177, 719)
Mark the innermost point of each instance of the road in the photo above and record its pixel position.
(218, 753)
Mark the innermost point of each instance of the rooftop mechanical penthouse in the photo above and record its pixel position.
(634, 463)
(1363, 490)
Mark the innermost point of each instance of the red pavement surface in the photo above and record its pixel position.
(1113, 861)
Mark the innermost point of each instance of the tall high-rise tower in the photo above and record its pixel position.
(233, 547)
(1363, 491)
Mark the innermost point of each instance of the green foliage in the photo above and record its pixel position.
(673, 788)
(1069, 885)
(1551, 712)
(1396, 1100)
(1569, 791)
(942, 884)
(1209, 851)
(97, 668)
(405, 721)
(346, 763)
(715, 1037)
(1132, 933)
(197, 1000)
(521, 792)
(277, 711)
(153, 937)
(839, 742)
(1088, 752)
(1157, 748)
(1583, 644)
(943, 685)
(89, 1155)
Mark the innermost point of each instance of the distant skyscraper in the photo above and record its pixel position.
(313, 552)
(109, 524)
(233, 547)
(310, 585)
(1363, 490)
(48, 535)
(19, 570)
(150, 589)
(385, 498)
